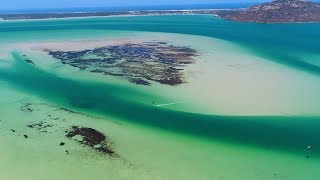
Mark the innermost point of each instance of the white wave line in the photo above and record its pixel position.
(169, 104)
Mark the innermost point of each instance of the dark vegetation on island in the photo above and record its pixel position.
(139, 63)
(276, 12)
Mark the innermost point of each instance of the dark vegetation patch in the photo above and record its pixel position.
(28, 60)
(27, 108)
(139, 81)
(85, 136)
(41, 126)
(68, 110)
(91, 138)
(139, 63)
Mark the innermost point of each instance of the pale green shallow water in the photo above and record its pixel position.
(226, 137)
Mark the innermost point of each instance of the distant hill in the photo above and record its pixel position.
(277, 11)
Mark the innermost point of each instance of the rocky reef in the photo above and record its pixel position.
(56, 123)
(139, 63)
(89, 137)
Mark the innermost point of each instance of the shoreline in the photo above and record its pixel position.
(76, 15)
(111, 16)
(2, 20)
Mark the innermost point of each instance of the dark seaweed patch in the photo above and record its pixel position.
(139, 81)
(139, 63)
(68, 110)
(91, 138)
(27, 108)
(42, 126)
(29, 61)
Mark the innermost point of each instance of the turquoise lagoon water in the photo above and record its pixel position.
(292, 46)
(285, 43)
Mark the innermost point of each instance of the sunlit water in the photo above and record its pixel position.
(249, 110)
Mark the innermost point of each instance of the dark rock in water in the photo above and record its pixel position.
(62, 144)
(97, 71)
(27, 108)
(68, 110)
(12, 130)
(277, 11)
(43, 126)
(170, 80)
(91, 138)
(25, 136)
(139, 81)
(136, 62)
(29, 61)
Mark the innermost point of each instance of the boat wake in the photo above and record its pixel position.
(169, 104)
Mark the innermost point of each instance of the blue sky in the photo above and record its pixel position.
(35, 4)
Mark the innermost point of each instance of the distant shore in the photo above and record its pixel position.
(278, 11)
(45, 16)
(111, 16)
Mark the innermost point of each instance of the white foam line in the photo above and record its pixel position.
(169, 104)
